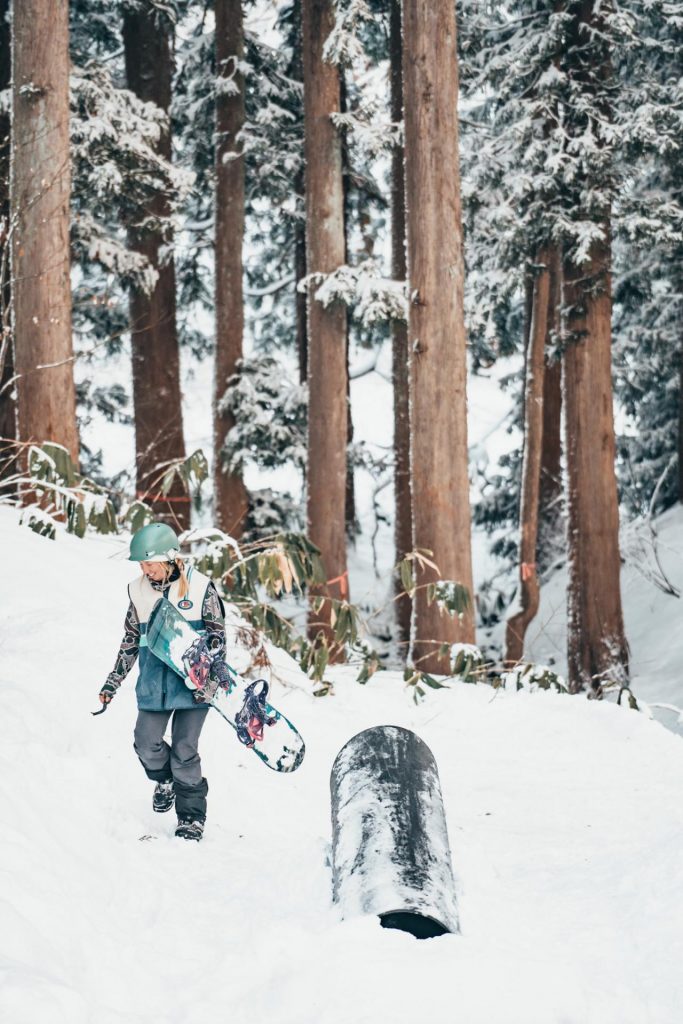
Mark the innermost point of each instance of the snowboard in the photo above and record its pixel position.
(242, 703)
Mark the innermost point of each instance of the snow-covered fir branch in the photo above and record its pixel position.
(225, 81)
(372, 132)
(99, 245)
(116, 165)
(343, 44)
(270, 414)
(373, 297)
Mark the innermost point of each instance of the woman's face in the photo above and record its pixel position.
(154, 571)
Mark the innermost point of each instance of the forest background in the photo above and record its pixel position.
(260, 209)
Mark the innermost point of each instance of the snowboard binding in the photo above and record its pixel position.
(221, 673)
(197, 662)
(255, 714)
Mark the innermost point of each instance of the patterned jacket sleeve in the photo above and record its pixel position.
(128, 651)
(213, 614)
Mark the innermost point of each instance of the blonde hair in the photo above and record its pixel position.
(184, 583)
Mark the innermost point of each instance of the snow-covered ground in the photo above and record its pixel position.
(653, 617)
(565, 819)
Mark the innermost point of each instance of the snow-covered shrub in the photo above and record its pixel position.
(254, 576)
(533, 678)
(629, 699)
(62, 495)
(451, 596)
(39, 521)
(467, 662)
(419, 680)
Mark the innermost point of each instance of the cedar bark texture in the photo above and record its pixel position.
(8, 417)
(596, 644)
(157, 394)
(350, 513)
(440, 485)
(230, 496)
(297, 72)
(550, 526)
(597, 648)
(327, 377)
(529, 590)
(300, 297)
(40, 187)
(351, 519)
(403, 515)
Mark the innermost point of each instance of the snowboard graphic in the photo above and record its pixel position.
(243, 704)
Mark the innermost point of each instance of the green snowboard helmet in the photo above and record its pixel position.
(155, 542)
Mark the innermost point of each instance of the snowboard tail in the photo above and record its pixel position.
(243, 704)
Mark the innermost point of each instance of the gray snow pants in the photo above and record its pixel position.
(179, 761)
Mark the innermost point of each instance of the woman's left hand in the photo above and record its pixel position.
(107, 693)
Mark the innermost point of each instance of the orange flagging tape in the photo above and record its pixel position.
(343, 580)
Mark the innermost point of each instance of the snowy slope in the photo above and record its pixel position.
(565, 820)
(653, 618)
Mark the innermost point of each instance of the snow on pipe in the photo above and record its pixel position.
(390, 852)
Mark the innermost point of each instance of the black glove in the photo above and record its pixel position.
(107, 692)
(220, 673)
(218, 676)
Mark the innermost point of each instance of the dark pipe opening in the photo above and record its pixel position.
(419, 926)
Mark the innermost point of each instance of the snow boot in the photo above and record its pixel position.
(163, 797)
(189, 828)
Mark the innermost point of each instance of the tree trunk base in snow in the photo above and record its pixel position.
(390, 851)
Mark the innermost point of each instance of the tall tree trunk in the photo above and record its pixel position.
(550, 526)
(327, 411)
(230, 496)
(403, 517)
(300, 297)
(529, 591)
(8, 412)
(597, 647)
(440, 484)
(41, 187)
(296, 71)
(350, 514)
(596, 643)
(157, 396)
(350, 505)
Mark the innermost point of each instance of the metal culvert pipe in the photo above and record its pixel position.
(390, 851)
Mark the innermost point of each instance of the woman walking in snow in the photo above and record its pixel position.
(161, 693)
